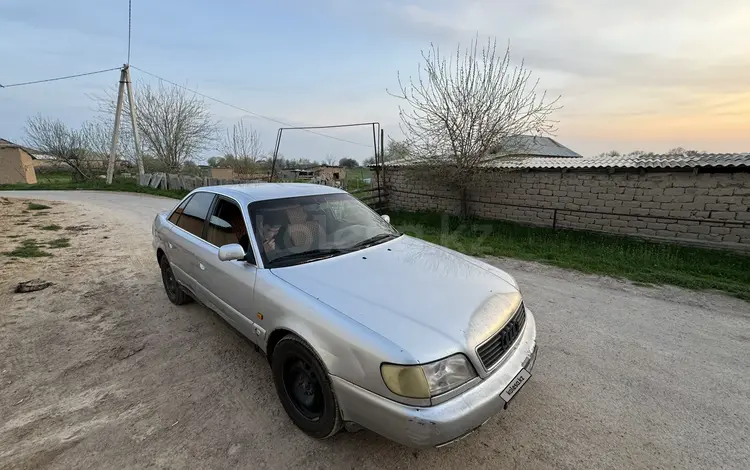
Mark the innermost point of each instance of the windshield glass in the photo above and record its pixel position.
(301, 229)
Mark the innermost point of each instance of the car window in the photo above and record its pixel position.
(299, 229)
(227, 225)
(178, 211)
(194, 214)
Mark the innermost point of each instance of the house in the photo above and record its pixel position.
(223, 173)
(16, 164)
(330, 173)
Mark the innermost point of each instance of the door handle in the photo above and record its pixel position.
(203, 268)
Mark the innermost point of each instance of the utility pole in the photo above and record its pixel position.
(124, 82)
(134, 123)
(116, 133)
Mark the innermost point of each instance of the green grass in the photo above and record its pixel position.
(119, 184)
(33, 206)
(640, 261)
(52, 227)
(28, 248)
(53, 176)
(59, 243)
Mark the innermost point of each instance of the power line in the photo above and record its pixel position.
(59, 78)
(130, 16)
(247, 111)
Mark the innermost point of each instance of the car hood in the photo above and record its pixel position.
(427, 299)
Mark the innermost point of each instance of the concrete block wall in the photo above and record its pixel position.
(678, 205)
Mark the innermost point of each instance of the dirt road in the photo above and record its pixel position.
(101, 371)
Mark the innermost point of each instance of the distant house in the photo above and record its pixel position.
(330, 173)
(16, 164)
(224, 173)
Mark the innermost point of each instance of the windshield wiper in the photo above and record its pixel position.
(373, 241)
(305, 256)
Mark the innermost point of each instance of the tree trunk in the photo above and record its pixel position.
(464, 203)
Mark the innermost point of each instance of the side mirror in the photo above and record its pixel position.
(386, 217)
(231, 252)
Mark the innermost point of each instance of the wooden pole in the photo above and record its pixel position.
(116, 132)
(134, 123)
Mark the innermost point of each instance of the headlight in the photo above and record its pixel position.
(428, 380)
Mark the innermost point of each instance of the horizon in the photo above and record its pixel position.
(635, 76)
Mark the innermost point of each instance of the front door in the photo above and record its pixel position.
(231, 284)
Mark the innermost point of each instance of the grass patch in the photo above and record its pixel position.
(52, 227)
(33, 206)
(14, 236)
(28, 248)
(59, 243)
(37, 214)
(119, 184)
(643, 262)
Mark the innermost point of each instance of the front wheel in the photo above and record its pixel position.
(304, 388)
(175, 293)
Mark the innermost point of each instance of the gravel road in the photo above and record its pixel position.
(101, 371)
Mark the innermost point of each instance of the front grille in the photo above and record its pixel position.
(494, 348)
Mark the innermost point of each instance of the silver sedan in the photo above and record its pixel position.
(362, 325)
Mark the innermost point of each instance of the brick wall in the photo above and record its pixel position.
(676, 205)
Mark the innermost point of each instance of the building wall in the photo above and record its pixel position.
(674, 205)
(222, 173)
(16, 166)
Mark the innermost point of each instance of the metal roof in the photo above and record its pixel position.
(539, 147)
(717, 160)
(629, 161)
(251, 192)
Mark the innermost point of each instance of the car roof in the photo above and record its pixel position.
(252, 192)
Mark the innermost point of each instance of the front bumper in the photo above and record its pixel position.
(440, 424)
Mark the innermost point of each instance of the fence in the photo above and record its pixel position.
(372, 196)
(711, 208)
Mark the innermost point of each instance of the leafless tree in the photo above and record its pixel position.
(329, 160)
(465, 111)
(242, 148)
(52, 137)
(174, 124)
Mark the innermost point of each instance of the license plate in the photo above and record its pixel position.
(515, 385)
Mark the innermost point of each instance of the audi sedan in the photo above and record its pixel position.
(362, 325)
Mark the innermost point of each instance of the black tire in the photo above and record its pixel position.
(174, 292)
(304, 388)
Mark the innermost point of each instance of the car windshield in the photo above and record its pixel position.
(302, 229)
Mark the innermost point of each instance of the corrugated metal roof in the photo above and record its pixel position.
(539, 146)
(717, 160)
(625, 161)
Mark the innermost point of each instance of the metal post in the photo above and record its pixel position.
(554, 220)
(382, 160)
(134, 123)
(116, 132)
(275, 154)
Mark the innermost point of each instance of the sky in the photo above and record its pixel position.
(636, 75)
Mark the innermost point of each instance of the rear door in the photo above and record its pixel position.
(231, 284)
(188, 245)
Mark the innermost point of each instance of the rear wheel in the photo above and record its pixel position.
(304, 388)
(175, 293)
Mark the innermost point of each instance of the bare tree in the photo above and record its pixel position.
(329, 160)
(52, 137)
(242, 148)
(174, 124)
(468, 110)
